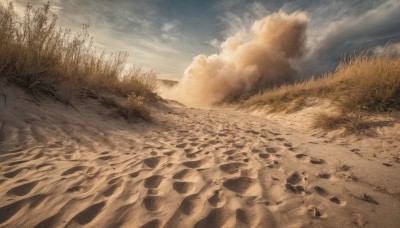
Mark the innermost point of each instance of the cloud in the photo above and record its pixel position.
(238, 17)
(215, 43)
(171, 30)
(20, 6)
(171, 26)
(153, 31)
(352, 30)
(135, 27)
(390, 48)
(248, 62)
(335, 27)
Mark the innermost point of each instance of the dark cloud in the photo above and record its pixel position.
(353, 33)
(138, 26)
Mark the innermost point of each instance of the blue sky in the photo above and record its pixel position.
(165, 35)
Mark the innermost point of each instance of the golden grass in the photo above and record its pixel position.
(37, 55)
(351, 122)
(366, 84)
(130, 108)
(291, 97)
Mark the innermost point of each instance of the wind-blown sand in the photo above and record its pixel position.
(189, 168)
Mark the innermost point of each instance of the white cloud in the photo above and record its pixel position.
(241, 19)
(20, 5)
(391, 48)
(215, 43)
(171, 26)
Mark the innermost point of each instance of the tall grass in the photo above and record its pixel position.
(365, 84)
(37, 55)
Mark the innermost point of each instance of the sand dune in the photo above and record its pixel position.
(189, 168)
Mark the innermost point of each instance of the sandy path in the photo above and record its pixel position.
(191, 168)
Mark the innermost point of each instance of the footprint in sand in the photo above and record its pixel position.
(153, 181)
(264, 156)
(232, 168)
(239, 184)
(295, 178)
(154, 153)
(17, 163)
(301, 156)
(191, 204)
(324, 175)
(237, 158)
(48, 222)
(89, 214)
(218, 199)
(295, 183)
(12, 174)
(271, 150)
(193, 164)
(182, 145)
(184, 187)
(23, 189)
(191, 156)
(288, 145)
(134, 174)
(110, 191)
(218, 217)
(317, 161)
(153, 203)
(196, 163)
(169, 153)
(345, 168)
(8, 211)
(154, 161)
(155, 223)
(324, 193)
(245, 217)
(238, 146)
(185, 174)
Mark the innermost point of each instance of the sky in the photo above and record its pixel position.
(165, 35)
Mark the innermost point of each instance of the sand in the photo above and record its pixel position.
(188, 168)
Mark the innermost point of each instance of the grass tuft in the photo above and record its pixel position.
(37, 55)
(131, 108)
(364, 85)
(352, 123)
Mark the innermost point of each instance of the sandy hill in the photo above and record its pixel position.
(187, 168)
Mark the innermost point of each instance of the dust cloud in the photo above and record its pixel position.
(248, 62)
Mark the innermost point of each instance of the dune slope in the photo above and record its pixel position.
(189, 168)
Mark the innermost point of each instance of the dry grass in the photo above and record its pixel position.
(352, 123)
(130, 108)
(364, 85)
(289, 98)
(37, 55)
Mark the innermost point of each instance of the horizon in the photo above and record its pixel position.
(166, 36)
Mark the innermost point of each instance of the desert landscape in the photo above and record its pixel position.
(86, 142)
(189, 168)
